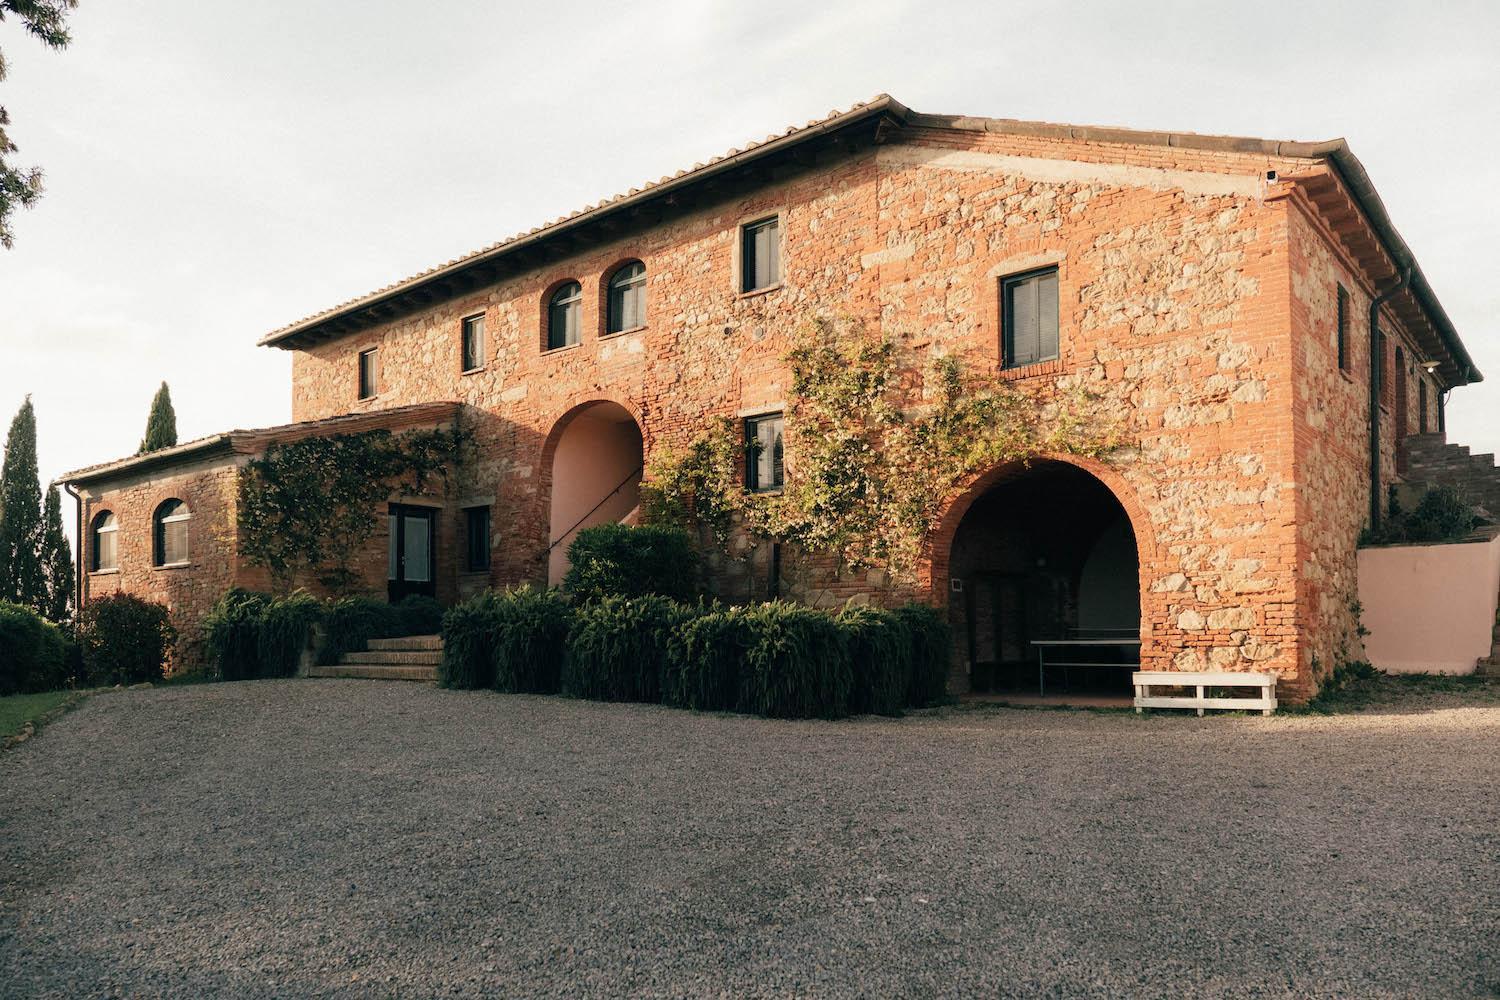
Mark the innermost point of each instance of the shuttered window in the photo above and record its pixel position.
(563, 315)
(473, 343)
(367, 374)
(760, 255)
(764, 452)
(1343, 329)
(627, 298)
(1029, 320)
(477, 535)
(171, 533)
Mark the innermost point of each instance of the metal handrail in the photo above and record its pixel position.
(560, 538)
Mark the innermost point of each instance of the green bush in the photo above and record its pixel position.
(796, 664)
(932, 649)
(33, 653)
(125, 639)
(531, 640)
(351, 622)
(618, 560)
(285, 625)
(231, 632)
(880, 659)
(1440, 516)
(617, 648)
(468, 643)
(418, 614)
(706, 659)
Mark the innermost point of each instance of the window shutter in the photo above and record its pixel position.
(1024, 333)
(1046, 286)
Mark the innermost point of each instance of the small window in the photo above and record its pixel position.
(760, 255)
(477, 536)
(562, 316)
(473, 343)
(1029, 318)
(764, 453)
(106, 531)
(1343, 329)
(1421, 405)
(367, 374)
(171, 531)
(627, 298)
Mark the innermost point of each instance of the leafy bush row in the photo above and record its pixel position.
(250, 635)
(1441, 515)
(778, 659)
(121, 639)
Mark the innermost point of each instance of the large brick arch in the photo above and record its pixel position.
(932, 575)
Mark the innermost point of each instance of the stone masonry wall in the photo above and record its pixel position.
(1175, 300)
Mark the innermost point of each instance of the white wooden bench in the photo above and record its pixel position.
(1145, 680)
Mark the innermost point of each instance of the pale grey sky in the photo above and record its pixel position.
(216, 169)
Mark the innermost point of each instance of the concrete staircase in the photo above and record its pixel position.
(1432, 461)
(411, 658)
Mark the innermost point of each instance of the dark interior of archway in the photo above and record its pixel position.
(1047, 553)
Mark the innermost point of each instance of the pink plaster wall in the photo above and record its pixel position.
(599, 448)
(1430, 607)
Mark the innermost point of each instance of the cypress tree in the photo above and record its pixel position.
(21, 579)
(161, 425)
(57, 561)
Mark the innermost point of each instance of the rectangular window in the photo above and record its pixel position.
(760, 255)
(1343, 329)
(477, 535)
(764, 453)
(1028, 319)
(367, 374)
(473, 343)
(172, 540)
(1421, 405)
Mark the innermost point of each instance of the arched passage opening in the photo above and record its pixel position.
(1044, 577)
(596, 467)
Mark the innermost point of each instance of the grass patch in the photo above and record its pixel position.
(1359, 686)
(19, 709)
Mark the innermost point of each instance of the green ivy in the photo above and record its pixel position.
(307, 506)
(874, 453)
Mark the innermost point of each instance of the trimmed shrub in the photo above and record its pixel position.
(1441, 515)
(796, 664)
(880, 660)
(231, 631)
(33, 654)
(932, 648)
(125, 639)
(351, 622)
(617, 648)
(417, 614)
(618, 560)
(705, 660)
(284, 627)
(531, 640)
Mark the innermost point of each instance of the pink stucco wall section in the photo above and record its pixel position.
(1430, 607)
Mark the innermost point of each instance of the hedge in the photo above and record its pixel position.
(617, 648)
(797, 664)
(33, 652)
(619, 560)
(881, 652)
(932, 649)
(512, 641)
(125, 640)
(705, 660)
(231, 632)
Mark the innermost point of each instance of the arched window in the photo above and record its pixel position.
(627, 298)
(170, 525)
(563, 311)
(105, 555)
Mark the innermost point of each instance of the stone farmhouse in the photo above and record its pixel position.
(1245, 306)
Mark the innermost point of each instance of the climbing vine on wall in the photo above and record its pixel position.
(307, 506)
(876, 446)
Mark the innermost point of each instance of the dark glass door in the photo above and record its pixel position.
(413, 543)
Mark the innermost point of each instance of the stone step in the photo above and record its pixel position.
(407, 642)
(377, 672)
(395, 657)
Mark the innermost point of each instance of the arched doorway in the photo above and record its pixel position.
(1046, 555)
(596, 466)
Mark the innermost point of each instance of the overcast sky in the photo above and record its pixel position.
(216, 169)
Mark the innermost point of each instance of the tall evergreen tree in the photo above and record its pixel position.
(161, 426)
(21, 578)
(57, 561)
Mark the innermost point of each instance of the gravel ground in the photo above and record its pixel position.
(351, 838)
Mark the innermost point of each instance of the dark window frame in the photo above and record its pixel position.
(1342, 335)
(1008, 286)
(167, 513)
(105, 522)
(754, 449)
(750, 260)
(368, 373)
(627, 285)
(565, 300)
(471, 356)
(476, 555)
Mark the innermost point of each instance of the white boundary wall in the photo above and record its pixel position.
(1430, 607)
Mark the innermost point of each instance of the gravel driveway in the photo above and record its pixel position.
(352, 838)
